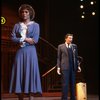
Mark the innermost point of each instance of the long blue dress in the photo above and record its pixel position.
(25, 76)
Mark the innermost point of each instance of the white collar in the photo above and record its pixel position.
(67, 45)
(29, 23)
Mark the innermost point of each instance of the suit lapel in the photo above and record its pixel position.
(73, 48)
(65, 49)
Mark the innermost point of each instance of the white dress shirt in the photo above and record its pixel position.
(68, 45)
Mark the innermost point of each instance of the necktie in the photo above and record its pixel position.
(68, 46)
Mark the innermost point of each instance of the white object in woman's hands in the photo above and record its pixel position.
(23, 30)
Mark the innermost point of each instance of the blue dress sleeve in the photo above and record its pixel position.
(36, 33)
(15, 36)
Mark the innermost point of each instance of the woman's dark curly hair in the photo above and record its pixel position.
(29, 8)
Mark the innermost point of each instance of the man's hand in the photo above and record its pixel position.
(58, 71)
(79, 69)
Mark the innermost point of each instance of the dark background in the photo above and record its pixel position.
(57, 18)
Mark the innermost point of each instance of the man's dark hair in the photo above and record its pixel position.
(68, 34)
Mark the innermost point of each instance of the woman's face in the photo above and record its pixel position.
(25, 15)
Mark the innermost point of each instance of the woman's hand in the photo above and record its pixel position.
(29, 40)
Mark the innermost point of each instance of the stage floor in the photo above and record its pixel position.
(45, 96)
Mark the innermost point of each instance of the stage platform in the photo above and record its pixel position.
(45, 96)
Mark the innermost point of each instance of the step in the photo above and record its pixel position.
(44, 94)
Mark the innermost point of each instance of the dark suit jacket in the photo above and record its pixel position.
(63, 58)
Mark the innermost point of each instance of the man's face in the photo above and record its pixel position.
(69, 39)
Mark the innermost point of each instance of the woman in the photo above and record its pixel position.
(25, 72)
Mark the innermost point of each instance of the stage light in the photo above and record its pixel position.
(81, 6)
(87, 9)
(82, 16)
(91, 2)
(93, 13)
(83, 12)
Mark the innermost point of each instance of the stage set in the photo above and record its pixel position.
(56, 18)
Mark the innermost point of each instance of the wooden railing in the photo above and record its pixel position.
(51, 81)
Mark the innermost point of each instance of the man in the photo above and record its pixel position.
(67, 65)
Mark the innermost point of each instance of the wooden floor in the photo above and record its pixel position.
(45, 96)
